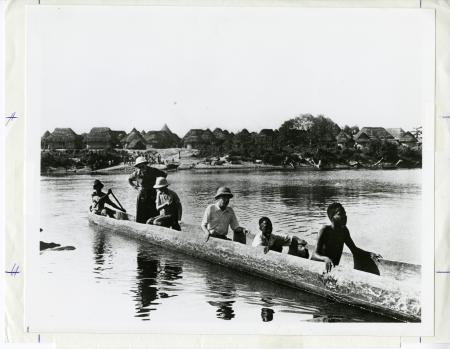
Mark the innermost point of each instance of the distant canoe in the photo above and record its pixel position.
(171, 167)
(395, 293)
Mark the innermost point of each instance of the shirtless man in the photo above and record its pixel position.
(331, 240)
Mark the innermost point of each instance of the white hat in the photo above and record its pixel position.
(161, 182)
(140, 160)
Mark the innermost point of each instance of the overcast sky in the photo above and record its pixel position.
(233, 68)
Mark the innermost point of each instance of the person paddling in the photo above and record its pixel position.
(143, 179)
(331, 240)
(99, 199)
(219, 216)
(168, 204)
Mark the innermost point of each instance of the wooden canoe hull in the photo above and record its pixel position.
(375, 293)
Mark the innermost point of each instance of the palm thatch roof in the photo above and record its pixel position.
(63, 135)
(343, 137)
(244, 132)
(166, 129)
(207, 136)
(267, 132)
(173, 136)
(136, 143)
(100, 134)
(374, 133)
(395, 132)
(158, 139)
(134, 135)
(45, 135)
(219, 134)
(407, 137)
(193, 136)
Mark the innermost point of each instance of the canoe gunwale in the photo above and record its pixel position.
(341, 285)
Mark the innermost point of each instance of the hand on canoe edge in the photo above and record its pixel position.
(376, 257)
(328, 264)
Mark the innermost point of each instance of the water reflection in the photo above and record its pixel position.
(223, 290)
(267, 314)
(381, 207)
(154, 279)
(102, 249)
(146, 291)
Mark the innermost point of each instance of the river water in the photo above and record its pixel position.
(132, 285)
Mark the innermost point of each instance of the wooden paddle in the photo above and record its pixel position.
(118, 201)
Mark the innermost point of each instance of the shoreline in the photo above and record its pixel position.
(127, 169)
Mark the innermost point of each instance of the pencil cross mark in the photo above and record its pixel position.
(14, 270)
(11, 117)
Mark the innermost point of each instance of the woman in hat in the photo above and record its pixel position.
(219, 216)
(143, 179)
(168, 204)
(99, 199)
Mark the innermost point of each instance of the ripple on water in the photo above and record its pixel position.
(137, 282)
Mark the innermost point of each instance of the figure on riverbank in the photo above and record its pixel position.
(275, 242)
(168, 205)
(331, 240)
(219, 216)
(143, 179)
(99, 199)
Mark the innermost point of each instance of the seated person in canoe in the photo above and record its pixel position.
(168, 205)
(275, 242)
(331, 240)
(219, 216)
(99, 199)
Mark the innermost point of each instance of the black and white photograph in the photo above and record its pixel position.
(229, 170)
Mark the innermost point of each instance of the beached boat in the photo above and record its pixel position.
(395, 293)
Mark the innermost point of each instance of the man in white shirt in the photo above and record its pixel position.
(219, 216)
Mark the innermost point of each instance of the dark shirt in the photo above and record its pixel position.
(146, 178)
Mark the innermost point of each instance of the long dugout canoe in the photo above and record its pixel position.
(389, 295)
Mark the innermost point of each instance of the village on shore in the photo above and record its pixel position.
(305, 141)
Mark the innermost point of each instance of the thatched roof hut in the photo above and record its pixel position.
(44, 144)
(373, 133)
(175, 140)
(158, 139)
(219, 134)
(63, 138)
(193, 138)
(100, 138)
(343, 137)
(265, 138)
(166, 129)
(402, 137)
(134, 140)
(243, 137)
(208, 137)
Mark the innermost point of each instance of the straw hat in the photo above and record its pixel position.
(223, 191)
(140, 160)
(97, 184)
(161, 182)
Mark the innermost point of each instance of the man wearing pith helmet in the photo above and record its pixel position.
(168, 204)
(143, 179)
(219, 216)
